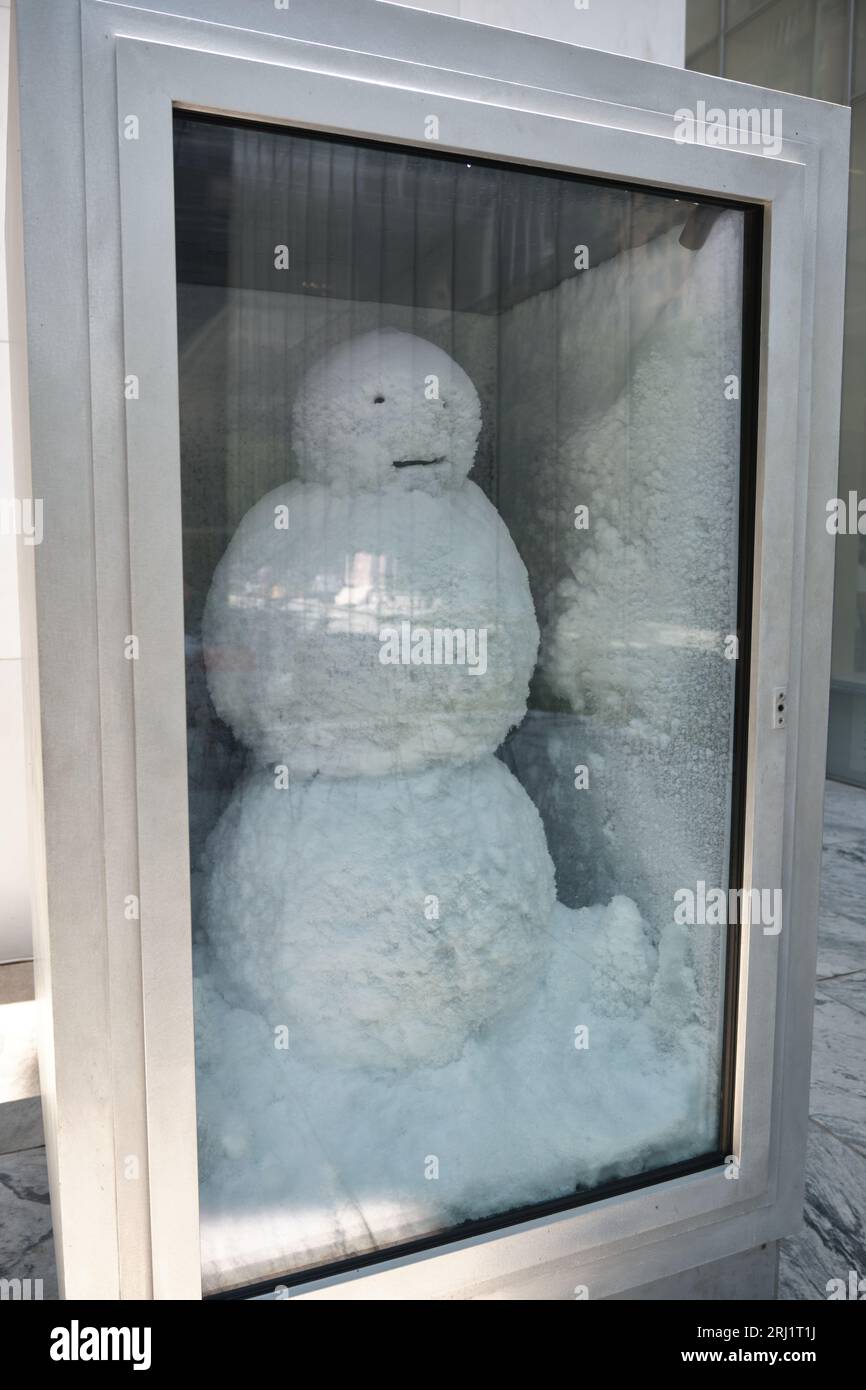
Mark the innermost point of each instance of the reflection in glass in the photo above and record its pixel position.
(460, 469)
(703, 18)
(859, 56)
(793, 46)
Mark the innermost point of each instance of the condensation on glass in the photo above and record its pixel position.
(817, 48)
(461, 471)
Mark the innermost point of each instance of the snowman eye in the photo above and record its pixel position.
(378, 400)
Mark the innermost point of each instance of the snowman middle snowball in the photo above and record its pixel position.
(381, 544)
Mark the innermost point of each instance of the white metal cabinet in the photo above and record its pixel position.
(91, 223)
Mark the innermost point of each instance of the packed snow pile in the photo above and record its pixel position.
(303, 1163)
(636, 607)
(384, 920)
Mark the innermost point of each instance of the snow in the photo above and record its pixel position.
(432, 1074)
(384, 920)
(303, 1162)
(294, 619)
(381, 398)
(635, 609)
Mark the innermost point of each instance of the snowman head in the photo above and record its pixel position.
(386, 410)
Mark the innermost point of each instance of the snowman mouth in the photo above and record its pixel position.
(416, 463)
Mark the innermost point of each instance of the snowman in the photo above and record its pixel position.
(379, 882)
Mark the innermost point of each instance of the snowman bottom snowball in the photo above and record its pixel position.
(383, 921)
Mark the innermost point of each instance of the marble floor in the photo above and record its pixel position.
(833, 1238)
(832, 1241)
(26, 1244)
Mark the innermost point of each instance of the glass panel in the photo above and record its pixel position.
(461, 749)
(706, 60)
(702, 24)
(793, 46)
(847, 747)
(737, 10)
(832, 49)
(859, 86)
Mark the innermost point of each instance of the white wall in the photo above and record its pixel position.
(651, 29)
(14, 898)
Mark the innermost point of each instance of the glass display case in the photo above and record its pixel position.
(461, 701)
(455, 601)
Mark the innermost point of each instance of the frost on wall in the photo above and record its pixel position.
(636, 607)
(399, 1029)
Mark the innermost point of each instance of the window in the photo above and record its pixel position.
(466, 455)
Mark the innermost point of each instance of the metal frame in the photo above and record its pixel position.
(109, 793)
